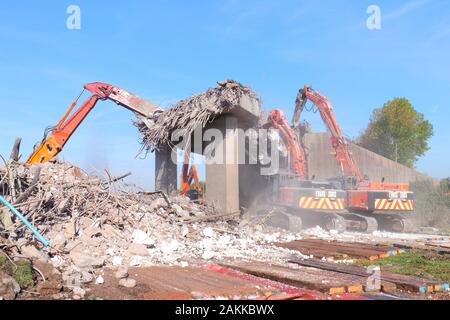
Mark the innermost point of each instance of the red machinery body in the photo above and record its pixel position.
(294, 189)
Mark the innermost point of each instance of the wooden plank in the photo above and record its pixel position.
(305, 248)
(320, 248)
(308, 278)
(414, 246)
(383, 250)
(340, 248)
(401, 281)
(373, 247)
(438, 245)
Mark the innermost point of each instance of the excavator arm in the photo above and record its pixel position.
(338, 141)
(124, 98)
(54, 142)
(277, 120)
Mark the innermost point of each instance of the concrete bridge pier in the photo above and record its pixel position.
(165, 171)
(222, 170)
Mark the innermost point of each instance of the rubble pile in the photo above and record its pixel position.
(191, 113)
(93, 223)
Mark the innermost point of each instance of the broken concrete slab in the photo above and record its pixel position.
(137, 249)
(33, 253)
(58, 241)
(121, 273)
(83, 260)
(127, 283)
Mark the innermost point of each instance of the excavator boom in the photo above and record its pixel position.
(277, 120)
(338, 141)
(123, 98)
(53, 143)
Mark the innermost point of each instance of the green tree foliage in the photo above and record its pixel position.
(397, 131)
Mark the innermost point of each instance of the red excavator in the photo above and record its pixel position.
(347, 202)
(373, 202)
(298, 199)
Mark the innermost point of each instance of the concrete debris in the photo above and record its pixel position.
(82, 260)
(208, 255)
(121, 273)
(208, 232)
(137, 261)
(137, 249)
(9, 288)
(32, 253)
(117, 261)
(100, 280)
(108, 225)
(184, 232)
(140, 237)
(85, 277)
(170, 247)
(127, 283)
(78, 293)
(180, 211)
(191, 113)
(59, 241)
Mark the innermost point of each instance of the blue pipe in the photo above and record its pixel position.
(25, 221)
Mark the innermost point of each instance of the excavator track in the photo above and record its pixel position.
(295, 221)
(337, 223)
(395, 223)
(361, 223)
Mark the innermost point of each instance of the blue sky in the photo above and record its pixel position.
(168, 50)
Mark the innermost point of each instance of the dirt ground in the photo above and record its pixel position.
(174, 283)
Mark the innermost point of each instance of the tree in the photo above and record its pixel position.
(398, 132)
